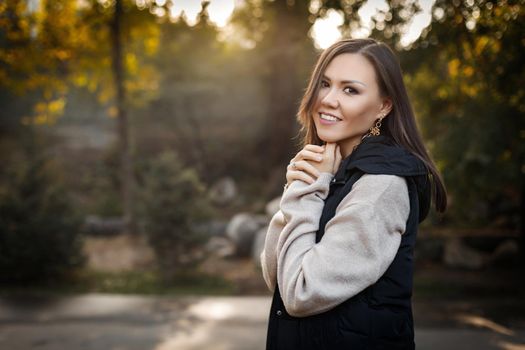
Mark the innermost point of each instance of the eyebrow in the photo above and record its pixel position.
(346, 81)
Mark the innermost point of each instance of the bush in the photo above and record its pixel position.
(173, 203)
(39, 231)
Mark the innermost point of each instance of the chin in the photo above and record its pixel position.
(328, 138)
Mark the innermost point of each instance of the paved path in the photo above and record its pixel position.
(115, 322)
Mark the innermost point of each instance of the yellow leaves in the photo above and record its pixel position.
(481, 43)
(47, 112)
(460, 74)
(486, 45)
(470, 90)
(62, 54)
(112, 112)
(106, 93)
(92, 85)
(468, 71)
(151, 45)
(442, 93)
(131, 63)
(467, 52)
(453, 67)
(80, 79)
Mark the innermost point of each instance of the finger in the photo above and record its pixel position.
(330, 147)
(310, 155)
(338, 157)
(314, 148)
(301, 175)
(309, 168)
(306, 167)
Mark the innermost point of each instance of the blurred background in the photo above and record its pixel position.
(143, 150)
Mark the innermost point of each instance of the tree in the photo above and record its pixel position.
(173, 203)
(40, 237)
(471, 103)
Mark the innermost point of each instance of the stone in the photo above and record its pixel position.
(242, 229)
(221, 247)
(458, 255)
(505, 254)
(258, 245)
(223, 191)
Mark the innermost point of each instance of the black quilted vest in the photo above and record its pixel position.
(379, 317)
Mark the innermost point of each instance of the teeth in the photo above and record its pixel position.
(328, 117)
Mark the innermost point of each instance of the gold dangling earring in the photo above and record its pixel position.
(375, 130)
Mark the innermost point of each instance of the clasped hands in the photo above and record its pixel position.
(313, 160)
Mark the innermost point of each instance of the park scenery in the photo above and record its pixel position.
(144, 146)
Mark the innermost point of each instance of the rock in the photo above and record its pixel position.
(212, 228)
(505, 254)
(258, 245)
(221, 247)
(242, 229)
(223, 191)
(97, 226)
(273, 206)
(461, 256)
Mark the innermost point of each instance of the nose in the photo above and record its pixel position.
(330, 99)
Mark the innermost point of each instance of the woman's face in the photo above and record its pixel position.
(349, 93)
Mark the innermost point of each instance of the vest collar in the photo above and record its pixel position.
(380, 155)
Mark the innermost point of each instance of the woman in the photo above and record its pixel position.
(338, 254)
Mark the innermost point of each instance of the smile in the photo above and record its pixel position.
(328, 119)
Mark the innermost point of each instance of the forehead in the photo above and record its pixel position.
(351, 66)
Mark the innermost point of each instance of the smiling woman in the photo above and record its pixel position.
(338, 254)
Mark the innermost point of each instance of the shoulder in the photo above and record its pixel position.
(377, 189)
(377, 202)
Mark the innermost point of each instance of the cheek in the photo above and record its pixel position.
(358, 107)
(317, 102)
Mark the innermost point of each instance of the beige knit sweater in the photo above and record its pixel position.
(359, 244)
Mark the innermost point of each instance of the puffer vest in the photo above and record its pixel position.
(380, 316)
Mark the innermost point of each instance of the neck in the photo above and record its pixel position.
(348, 146)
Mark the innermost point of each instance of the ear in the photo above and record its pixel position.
(387, 105)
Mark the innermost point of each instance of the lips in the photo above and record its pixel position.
(328, 117)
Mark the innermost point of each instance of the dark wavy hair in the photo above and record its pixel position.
(400, 123)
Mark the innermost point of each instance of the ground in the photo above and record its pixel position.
(453, 309)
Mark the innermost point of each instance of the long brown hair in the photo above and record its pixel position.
(400, 123)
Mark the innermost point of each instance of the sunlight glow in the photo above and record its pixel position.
(325, 31)
(418, 22)
(189, 9)
(366, 12)
(220, 11)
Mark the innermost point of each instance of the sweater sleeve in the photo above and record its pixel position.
(359, 243)
(278, 222)
(269, 253)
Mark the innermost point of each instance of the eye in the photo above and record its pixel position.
(350, 90)
(324, 83)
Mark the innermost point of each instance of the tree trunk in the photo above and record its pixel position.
(521, 176)
(122, 118)
(284, 45)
